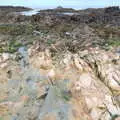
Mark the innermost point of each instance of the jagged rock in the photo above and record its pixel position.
(112, 9)
(91, 92)
(53, 107)
(62, 74)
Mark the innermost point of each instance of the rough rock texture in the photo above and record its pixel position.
(83, 86)
(93, 78)
(64, 74)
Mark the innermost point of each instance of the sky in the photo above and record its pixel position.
(81, 4)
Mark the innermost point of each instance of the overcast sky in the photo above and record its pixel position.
(64, 3)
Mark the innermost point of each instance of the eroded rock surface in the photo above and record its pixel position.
(81, 86)
(57, 67)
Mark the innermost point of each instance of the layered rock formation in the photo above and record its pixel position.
(55, 67)
(82, 86)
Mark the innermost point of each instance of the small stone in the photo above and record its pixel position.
(3, 65)
(5, 56)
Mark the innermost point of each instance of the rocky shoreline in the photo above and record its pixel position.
(14, 8)
(57, 67)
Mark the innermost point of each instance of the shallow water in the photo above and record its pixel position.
(35, 11)
(30, 13)
(69, 13)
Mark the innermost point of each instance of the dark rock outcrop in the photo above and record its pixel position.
(13, 8)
